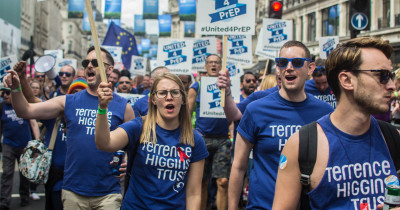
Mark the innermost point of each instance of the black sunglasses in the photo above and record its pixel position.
(320, 68)
(384, 75)
(94, 62)
(126, 82)
(250, 80)
(6, 92)
(67, 74)
(39, 76)
(296, 62)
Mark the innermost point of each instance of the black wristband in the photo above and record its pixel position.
(229, 93)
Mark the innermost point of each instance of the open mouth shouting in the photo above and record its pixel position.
(170, 108)
(290, 78)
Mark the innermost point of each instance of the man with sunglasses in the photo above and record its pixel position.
(16, 134)
(66, 75)
(88, 179)
(268, 122)
(248, 84)
(318, 86)
(351, 149)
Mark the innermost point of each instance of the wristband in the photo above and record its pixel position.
(17, 90)
(396, 94)
(101, 111)
(228, 93)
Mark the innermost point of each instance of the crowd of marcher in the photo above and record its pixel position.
(176, 159)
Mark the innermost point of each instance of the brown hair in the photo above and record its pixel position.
(347, 57)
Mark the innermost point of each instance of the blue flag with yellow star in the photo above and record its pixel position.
(117, 36)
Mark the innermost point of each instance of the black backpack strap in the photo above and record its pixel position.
(392, 139)
(131, 158)
(307, 156)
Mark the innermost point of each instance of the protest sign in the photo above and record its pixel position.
(201, 48)
(240, 49)
(6, 63)
(223, 17)
(176, 55)
(138, 65)
(326, 45)
(115, 51)
(210, 96)
(65, 61)
(276, 32)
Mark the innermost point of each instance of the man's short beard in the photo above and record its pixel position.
(248, 91)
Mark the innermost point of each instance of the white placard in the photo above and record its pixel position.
(326, 45)
(240, 49)
(6, 63)
(176, 55)
(66, 61)
(115, 51)
(57, 54)
(201, 48)
(223, 17)
(138, 65)
(276, 33)
(210, 97)
(132, 98)
(260, 51)
(235, 69)
(153, 64)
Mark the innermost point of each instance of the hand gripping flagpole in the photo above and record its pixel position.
(95, 39)
(224, 52)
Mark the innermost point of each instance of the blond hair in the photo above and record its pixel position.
(149, 124)
(269, 81)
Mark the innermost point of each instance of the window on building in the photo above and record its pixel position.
(69, 46)
(70, 29)
(330, 21)
(302, 29)
(311, 27)
(385, 13)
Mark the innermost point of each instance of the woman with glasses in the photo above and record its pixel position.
(168, 165)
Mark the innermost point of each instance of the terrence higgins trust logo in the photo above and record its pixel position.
(174, 51)
(237, 45)
(276, 31)
(138, 64)
(227, 9)
(216, 96)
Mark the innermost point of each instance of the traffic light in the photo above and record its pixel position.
(360, 12)
(275, 9)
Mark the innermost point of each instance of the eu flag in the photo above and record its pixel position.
(117, 36)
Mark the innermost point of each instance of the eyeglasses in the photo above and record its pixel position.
(126, 82)
(67, 74)
(211, 62)
(175, 93)
(40, 76)
(384, 75)
(320, 68)
(94, 62)
(250, 80)
(296, 62)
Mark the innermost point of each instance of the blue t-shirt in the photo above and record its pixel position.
(159, 172)
(134, 91)
(146, 92)
(16, 131)
(87, 170)
(255, 96)
(358, 169)
(59, 150)
(141, 106)
(326, 95)
(267, 123)
(208, 125)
